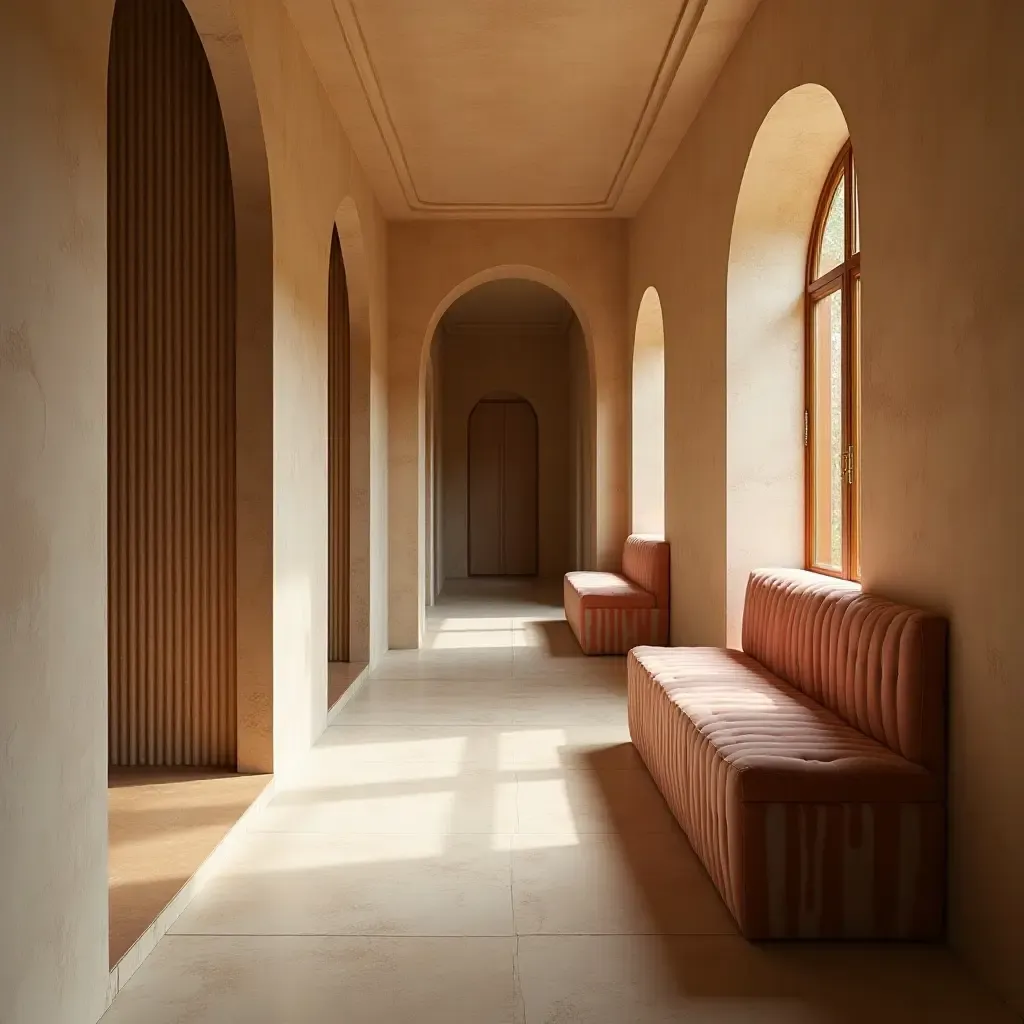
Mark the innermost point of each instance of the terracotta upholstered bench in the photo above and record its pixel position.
(611, 612)
(808, 771)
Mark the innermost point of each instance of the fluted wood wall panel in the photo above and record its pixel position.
(337, 457)
(171, 397)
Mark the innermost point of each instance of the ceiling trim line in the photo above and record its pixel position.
(687, 20)
(679, 41)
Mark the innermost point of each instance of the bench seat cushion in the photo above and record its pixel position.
(609, 613)
(809, 828)
(779, 744)
(609, 590)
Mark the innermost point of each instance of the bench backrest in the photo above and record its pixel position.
(645, 562)
(880, 666)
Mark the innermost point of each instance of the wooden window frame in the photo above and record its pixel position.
(845, 279)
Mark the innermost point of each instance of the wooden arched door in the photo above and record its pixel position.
(502, 487)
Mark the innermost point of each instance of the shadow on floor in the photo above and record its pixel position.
(553, 638)
(844, 982)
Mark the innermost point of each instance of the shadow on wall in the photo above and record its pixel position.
(789, 160)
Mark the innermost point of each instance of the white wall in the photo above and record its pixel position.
(53, 512)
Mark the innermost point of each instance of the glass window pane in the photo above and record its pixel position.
(855, 241)
(833, 237)
(827, 413)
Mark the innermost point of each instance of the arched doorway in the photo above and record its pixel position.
(648, 476)
(508, 365)
(503, 488)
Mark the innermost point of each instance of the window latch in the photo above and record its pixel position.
(849, 465)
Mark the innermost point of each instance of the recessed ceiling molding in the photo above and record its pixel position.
(355, 44)
(686, 22)
(682, 34)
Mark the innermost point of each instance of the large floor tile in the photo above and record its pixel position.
(529, 661)
(546, 747)
(461, 641)
(448, 702)
(584, 802)
(357, 885)
(300, 980)
(643, 883)
(412, 751)
(442, 619)
(725, 980)
(555, 709)
(445, 664)
(448, 748)
(481, 802)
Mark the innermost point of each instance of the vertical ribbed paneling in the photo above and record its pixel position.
(171, 397)
(337, 456)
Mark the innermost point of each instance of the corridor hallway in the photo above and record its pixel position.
(474, 840)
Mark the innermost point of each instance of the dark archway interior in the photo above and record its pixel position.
(507, 388)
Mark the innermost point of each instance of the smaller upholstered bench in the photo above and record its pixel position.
(613, 612)
(808, 770)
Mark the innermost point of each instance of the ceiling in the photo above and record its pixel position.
(510, 302)
(516, 107)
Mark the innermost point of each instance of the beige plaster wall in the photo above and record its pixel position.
(430, 265)
(53, 511)
(308, 196)
(931, 95)
(534, 364)
(53, 655)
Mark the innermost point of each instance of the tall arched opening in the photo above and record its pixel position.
(506, 408)
(190, 485)
(789, 160)
(339, 410)
(648, 421)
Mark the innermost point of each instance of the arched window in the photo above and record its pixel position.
(832, 407)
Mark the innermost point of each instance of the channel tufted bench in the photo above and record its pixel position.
(808, 771)
(612, 612)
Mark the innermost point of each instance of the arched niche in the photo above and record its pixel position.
(648, 419)
(361, 487)
(789, 159)
(252, 313)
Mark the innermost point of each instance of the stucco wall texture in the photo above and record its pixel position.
(53, 507)
(53, 512)
(931, 95)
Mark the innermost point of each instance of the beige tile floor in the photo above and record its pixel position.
(475, 842)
